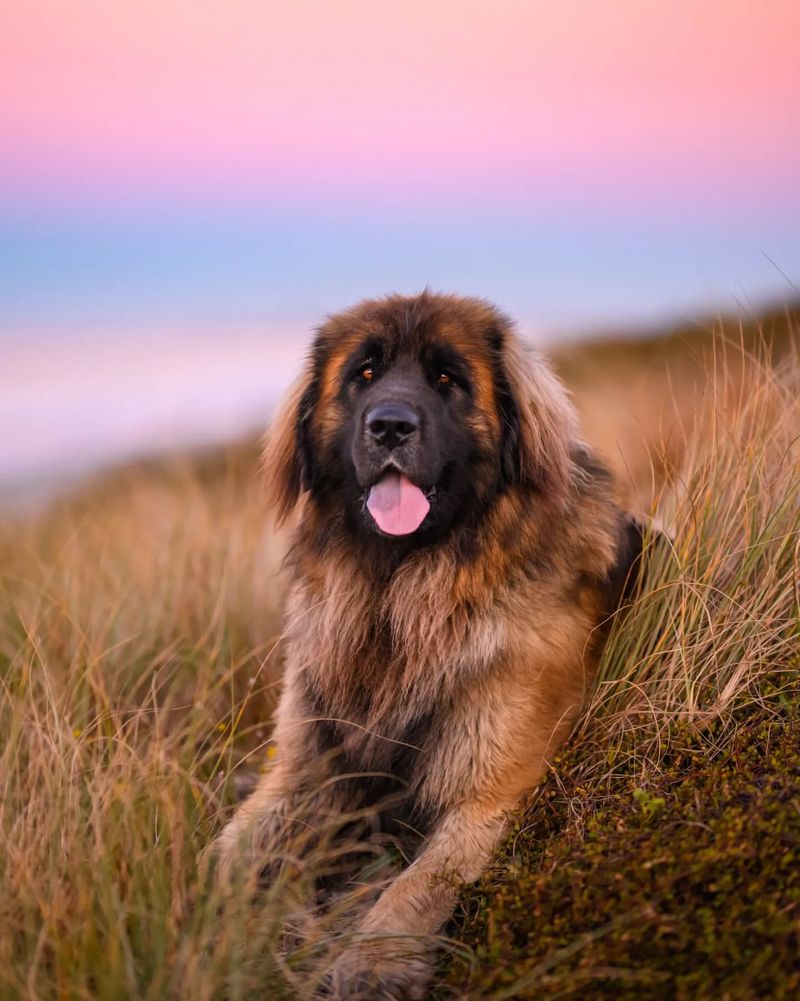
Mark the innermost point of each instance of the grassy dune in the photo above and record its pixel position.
(140, 656)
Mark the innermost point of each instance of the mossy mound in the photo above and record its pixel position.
(686, 888)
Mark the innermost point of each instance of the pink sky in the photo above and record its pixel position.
(241, 167)
(267, 99)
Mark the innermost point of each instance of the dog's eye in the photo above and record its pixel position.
(445, 379)
(366, 373)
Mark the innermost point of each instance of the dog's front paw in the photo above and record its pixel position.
(385, 969)
(226, 859)
(236, 866)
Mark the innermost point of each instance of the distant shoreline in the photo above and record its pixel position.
(70, 408)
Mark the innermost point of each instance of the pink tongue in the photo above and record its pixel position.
(398, 507)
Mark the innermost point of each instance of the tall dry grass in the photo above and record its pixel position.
(137, 630)
(138, 663)
(716, 624)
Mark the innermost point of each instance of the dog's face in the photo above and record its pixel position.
(418, 429)
(413, 415)
(409, 438)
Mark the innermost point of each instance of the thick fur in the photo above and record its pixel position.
(430, 679)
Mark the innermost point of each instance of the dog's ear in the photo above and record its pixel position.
(286, 458)
(538, 420)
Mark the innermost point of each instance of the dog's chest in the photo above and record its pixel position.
(379, 772)
(378, 654)
(381, 691)
(358, 740)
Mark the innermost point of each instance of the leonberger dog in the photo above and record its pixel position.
(456, 558)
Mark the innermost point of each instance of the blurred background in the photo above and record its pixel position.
(186, 187)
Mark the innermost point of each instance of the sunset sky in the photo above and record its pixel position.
(189, 161)
(178, 171)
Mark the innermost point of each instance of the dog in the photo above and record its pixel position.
(457, 556)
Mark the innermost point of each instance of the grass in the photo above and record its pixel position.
(140, 657)
(685, 887)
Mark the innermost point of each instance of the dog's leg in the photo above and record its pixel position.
(290, 808)
(392, 958)
(258, 828)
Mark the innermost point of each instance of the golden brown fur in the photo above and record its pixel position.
(459, 665)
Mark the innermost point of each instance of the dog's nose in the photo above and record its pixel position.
(390, 424)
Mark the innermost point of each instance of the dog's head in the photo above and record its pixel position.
(413, 415)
